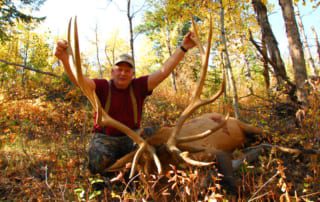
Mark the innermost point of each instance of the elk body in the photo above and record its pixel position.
(221, 143)
(208, 135)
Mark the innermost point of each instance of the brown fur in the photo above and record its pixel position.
(221, 143)
(227, 139)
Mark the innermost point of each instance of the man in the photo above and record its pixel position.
(122, 97)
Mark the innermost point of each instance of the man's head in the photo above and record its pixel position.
(122, 71)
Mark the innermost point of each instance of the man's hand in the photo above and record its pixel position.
(61, 51)
(188, 41)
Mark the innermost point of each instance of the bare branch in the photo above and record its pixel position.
(29, 68)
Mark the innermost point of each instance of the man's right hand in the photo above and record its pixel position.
(61, 51)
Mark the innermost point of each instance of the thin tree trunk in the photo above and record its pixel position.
(317, 42)
(168, 42)
(247, 74)
(295, 48)
(271, 42)
(305, 43)
(109, 51)
(25, 60)
(109, 60)
(130, 17)
(265, 64)
(97, 52)
(235, 100)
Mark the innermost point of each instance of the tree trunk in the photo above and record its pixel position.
(130, 17)
(317, 42)
(248, 76)
(305, 43)
(168, 42)
(25, 59)
(295, 48)
(266, 75)
(271, 42)
(231, 81)
(97, 52)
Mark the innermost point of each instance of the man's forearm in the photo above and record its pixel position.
(157, 77)
(173, 61)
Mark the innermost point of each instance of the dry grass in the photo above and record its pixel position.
(43, 155)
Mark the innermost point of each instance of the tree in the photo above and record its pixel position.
(164, 28)
(131, 13)
(227, 62)
(11, 15)
(271, 42)
(295, 48)
(115, 46)
(305, 42)
(28, 51)
(317, 42)
(96, 43)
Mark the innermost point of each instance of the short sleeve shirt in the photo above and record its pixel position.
(121, 108)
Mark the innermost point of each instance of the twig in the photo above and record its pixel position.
(288, 150)
(313, 194)
(46, 179)
(63, 190)
(131, 180)
(260, 196)
(275, 175)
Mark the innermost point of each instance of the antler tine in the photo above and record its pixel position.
(103, 118)
(187, 159)
(204, 134)
(196, 102)
(205, 62)
(71, 56)
(77, 53)
(196, 39)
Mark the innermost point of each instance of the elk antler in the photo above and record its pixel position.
(103, 119)
(195, 103)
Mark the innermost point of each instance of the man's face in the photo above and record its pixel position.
(122, 75)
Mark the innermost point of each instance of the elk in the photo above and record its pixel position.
(208, 134)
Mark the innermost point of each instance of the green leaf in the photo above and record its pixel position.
(93, 181)
(94, 194)
(79, 192)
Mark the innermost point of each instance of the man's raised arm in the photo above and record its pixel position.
(157, 77)
(61, 54)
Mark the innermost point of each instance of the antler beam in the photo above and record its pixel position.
(196, 102)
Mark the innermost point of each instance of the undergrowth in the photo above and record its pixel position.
(44, 139)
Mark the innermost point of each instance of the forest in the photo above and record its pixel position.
(46, 121)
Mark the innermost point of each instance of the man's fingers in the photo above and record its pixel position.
(60, 50)
(63, 44)
(192, 36)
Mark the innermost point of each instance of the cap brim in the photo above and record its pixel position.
(129, 63)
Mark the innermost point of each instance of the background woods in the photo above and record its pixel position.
(45, 121)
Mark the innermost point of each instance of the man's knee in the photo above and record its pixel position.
(99, 161)
(102, 153)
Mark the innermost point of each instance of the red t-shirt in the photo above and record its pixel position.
(121, 107)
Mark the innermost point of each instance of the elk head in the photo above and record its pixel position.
(147, 147)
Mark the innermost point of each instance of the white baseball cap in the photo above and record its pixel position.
(124, 58)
